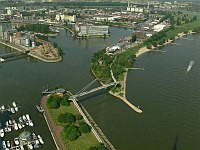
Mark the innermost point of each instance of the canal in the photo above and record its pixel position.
(168, 96)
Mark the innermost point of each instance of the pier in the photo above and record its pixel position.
(98, 130)
(95, 129)
(175, 43)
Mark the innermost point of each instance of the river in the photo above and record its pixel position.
(23, 80)
(168, 96)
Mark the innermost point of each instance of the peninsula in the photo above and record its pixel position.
(113, 63)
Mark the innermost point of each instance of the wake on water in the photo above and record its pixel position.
(190, 66)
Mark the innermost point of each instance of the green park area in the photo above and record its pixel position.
(76, 133)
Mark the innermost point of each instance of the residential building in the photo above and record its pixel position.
(5, 26)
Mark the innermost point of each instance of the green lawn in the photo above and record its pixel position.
(63, 109)
(85, 141)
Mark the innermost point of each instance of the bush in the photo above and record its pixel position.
(84, 127)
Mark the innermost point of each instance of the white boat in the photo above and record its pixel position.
(3, 107)
(39, 108)
(14, 104)
(23, 125)
(30, 123)
(30, 146)
(2, 60)
(4, 144)
(10, 122)
(34, 136)
(190, 65)
(20, 119)
(2, 133)
(7, 123)
(9, 129)
(28, 117)
(21, 147)
(8, 144)
(40, 139)
(20, 126)
(24, 118)
(16, 141)
(12, 110)
(15, 126)
(16, 109)
(37, 142)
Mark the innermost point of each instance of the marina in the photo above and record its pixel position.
(13, 109)
(31, 140)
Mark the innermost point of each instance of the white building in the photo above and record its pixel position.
(106, 18)
(63, 17)
(89, 30)
(159, 27)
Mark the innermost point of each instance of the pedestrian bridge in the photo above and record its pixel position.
(82, 92)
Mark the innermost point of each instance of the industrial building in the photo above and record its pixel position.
(91, 30)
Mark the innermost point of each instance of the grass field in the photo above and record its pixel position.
(84, 142)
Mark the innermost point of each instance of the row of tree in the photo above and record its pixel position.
(100, 146)
(40, 28)
(68, 118)
(72, 132)
(54, 101)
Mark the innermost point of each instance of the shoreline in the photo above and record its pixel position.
(124, 99)
(54, 129)
(178, 36)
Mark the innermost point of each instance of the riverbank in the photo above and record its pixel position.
(145, 49)
(54, 129)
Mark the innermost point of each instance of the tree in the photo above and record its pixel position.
(65, 101)
(71, 132)
(84, 127)
(70, 118)
(79, 117)
(101, 146)
(62, 118)
(133, 38)
(53, 102)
